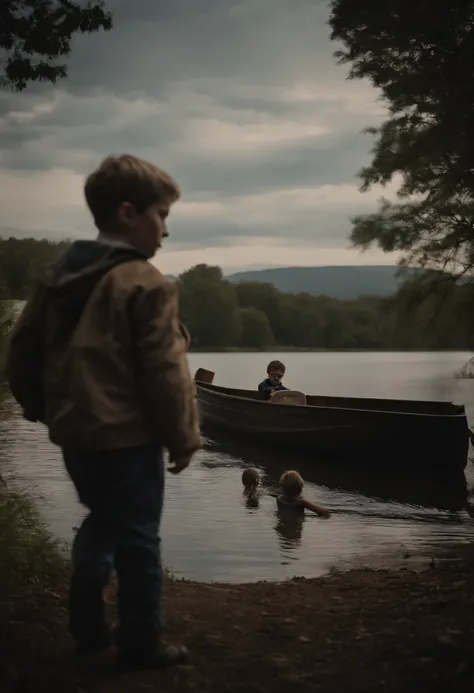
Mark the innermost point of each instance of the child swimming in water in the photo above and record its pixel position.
(251, 480)
(292, 497)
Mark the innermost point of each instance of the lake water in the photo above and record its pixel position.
(380, 518)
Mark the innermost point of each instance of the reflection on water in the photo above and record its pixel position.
(212, 531)
(290, 532)
(426, 511)
(383, 483)
(251, 500)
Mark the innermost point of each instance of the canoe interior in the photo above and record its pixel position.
(355, 403)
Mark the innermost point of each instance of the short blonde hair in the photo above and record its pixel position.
(291, 483)
(127, 178)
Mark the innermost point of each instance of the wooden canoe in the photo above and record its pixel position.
(425, 433)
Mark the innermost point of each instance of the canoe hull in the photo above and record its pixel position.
(436, 440)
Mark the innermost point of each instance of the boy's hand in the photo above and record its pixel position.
(177, 466)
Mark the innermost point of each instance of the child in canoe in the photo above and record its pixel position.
(272, 383)
(291, 499)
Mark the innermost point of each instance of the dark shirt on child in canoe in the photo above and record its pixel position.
(266, 388)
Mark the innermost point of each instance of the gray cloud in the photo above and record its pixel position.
(242, 101)
(251, 41)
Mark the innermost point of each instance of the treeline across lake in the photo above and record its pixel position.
(21, 260)
(428, 312)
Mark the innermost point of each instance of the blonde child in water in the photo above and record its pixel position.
(292, 499)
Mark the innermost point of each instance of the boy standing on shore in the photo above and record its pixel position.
(99, 356)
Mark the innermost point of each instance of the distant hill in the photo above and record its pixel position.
(344, 282)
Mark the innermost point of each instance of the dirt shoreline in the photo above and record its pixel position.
(361, 631)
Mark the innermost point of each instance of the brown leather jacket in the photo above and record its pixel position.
(99, 355)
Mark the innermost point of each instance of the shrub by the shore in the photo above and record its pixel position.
(28, 552)
(7, 318)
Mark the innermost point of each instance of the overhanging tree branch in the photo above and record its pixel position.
(420, 57)
(35, 35)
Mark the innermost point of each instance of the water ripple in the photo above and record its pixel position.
(210, 532)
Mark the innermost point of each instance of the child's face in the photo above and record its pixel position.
(275, 377)
(146, 230)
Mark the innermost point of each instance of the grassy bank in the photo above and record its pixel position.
(362, 631)
(28, 553)
(7, 317)
(32, 568)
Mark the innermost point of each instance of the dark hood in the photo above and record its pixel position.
(79, 269)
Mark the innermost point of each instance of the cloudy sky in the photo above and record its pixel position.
(241, 100)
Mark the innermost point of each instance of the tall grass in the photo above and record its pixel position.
(8, 313)
(28, 552)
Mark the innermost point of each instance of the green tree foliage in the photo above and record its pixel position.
(411, 318)
(209, 307)
(35, 34)
(256, 330)
(257, 316)
(21, 261)
(439, 319)
(266, 298)
(420, 56)
(7, 317)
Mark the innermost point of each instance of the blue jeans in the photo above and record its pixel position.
(123, 490)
